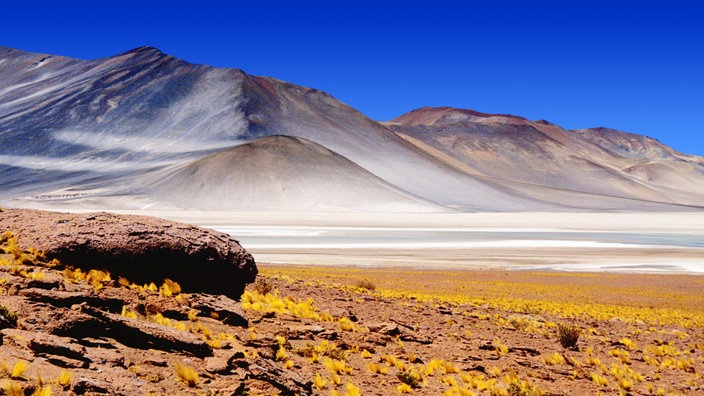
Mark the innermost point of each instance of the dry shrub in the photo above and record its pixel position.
(568, 335)
(409, 378)
(365, 284)
(263, 286)
(10, 317)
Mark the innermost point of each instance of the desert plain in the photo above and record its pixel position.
(626, 242)
(618, 277)
(511, 304)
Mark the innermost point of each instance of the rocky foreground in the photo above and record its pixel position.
(73, 318)
(139, 248)
(74, 328)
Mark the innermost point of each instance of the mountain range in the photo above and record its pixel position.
(145, 130)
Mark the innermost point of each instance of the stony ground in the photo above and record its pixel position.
(303, 330)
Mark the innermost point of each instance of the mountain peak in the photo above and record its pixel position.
(146, 49)
(431, 115)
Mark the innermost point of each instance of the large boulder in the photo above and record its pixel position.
(139, 248)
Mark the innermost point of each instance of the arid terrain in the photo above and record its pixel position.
(445, 251)
(349, 330)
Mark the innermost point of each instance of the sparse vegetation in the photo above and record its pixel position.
(414, 349)
(64, 379)
(553, 359)
(365, 284)
(14, 389)
(8, 315)
(526, 320)
(523, 388)
(568, 335)
(169, 288)
(263, 286)
(19, 369)
(319, 382)
(409, 377)
(187, 375)
(42, 391)
(500, 348)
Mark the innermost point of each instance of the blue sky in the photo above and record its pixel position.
(633, 66)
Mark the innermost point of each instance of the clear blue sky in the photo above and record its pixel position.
(633, 66)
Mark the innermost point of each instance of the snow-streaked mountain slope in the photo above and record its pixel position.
(121, 131)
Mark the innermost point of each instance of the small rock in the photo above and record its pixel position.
(445, 311)
(155, 360)
(64, 350)
(84, 385)
(216, 364)
(228, 310)
(289, 383)
(64, 362)
(385, 328)
(329, 335)
(144, 335)
(67, 299)
(100, 356)
(304, 331)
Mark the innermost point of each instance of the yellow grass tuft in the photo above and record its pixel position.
(523, 388)
(42, 391)
(337, 366)
(162, 320)
(187, 375)
(319, 382)
(281, 354)
(553, 359)
(74, 275)
(127, 313)
(351, 390)
(19, 369)
(599, 379)
(273, 303)
(500, 348)
(169, 288)
(346, 324)
(335, 379)
(378, 368)
(449, 368)
(628, 343)
(13, 389)
(64, 378)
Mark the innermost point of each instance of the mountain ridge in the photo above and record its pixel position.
(95, 127)
(536, 149)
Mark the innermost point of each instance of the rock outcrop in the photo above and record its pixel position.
(140, 249)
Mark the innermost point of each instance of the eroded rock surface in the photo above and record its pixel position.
(141, 249)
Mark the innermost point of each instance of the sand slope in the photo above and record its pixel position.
(284, 173)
